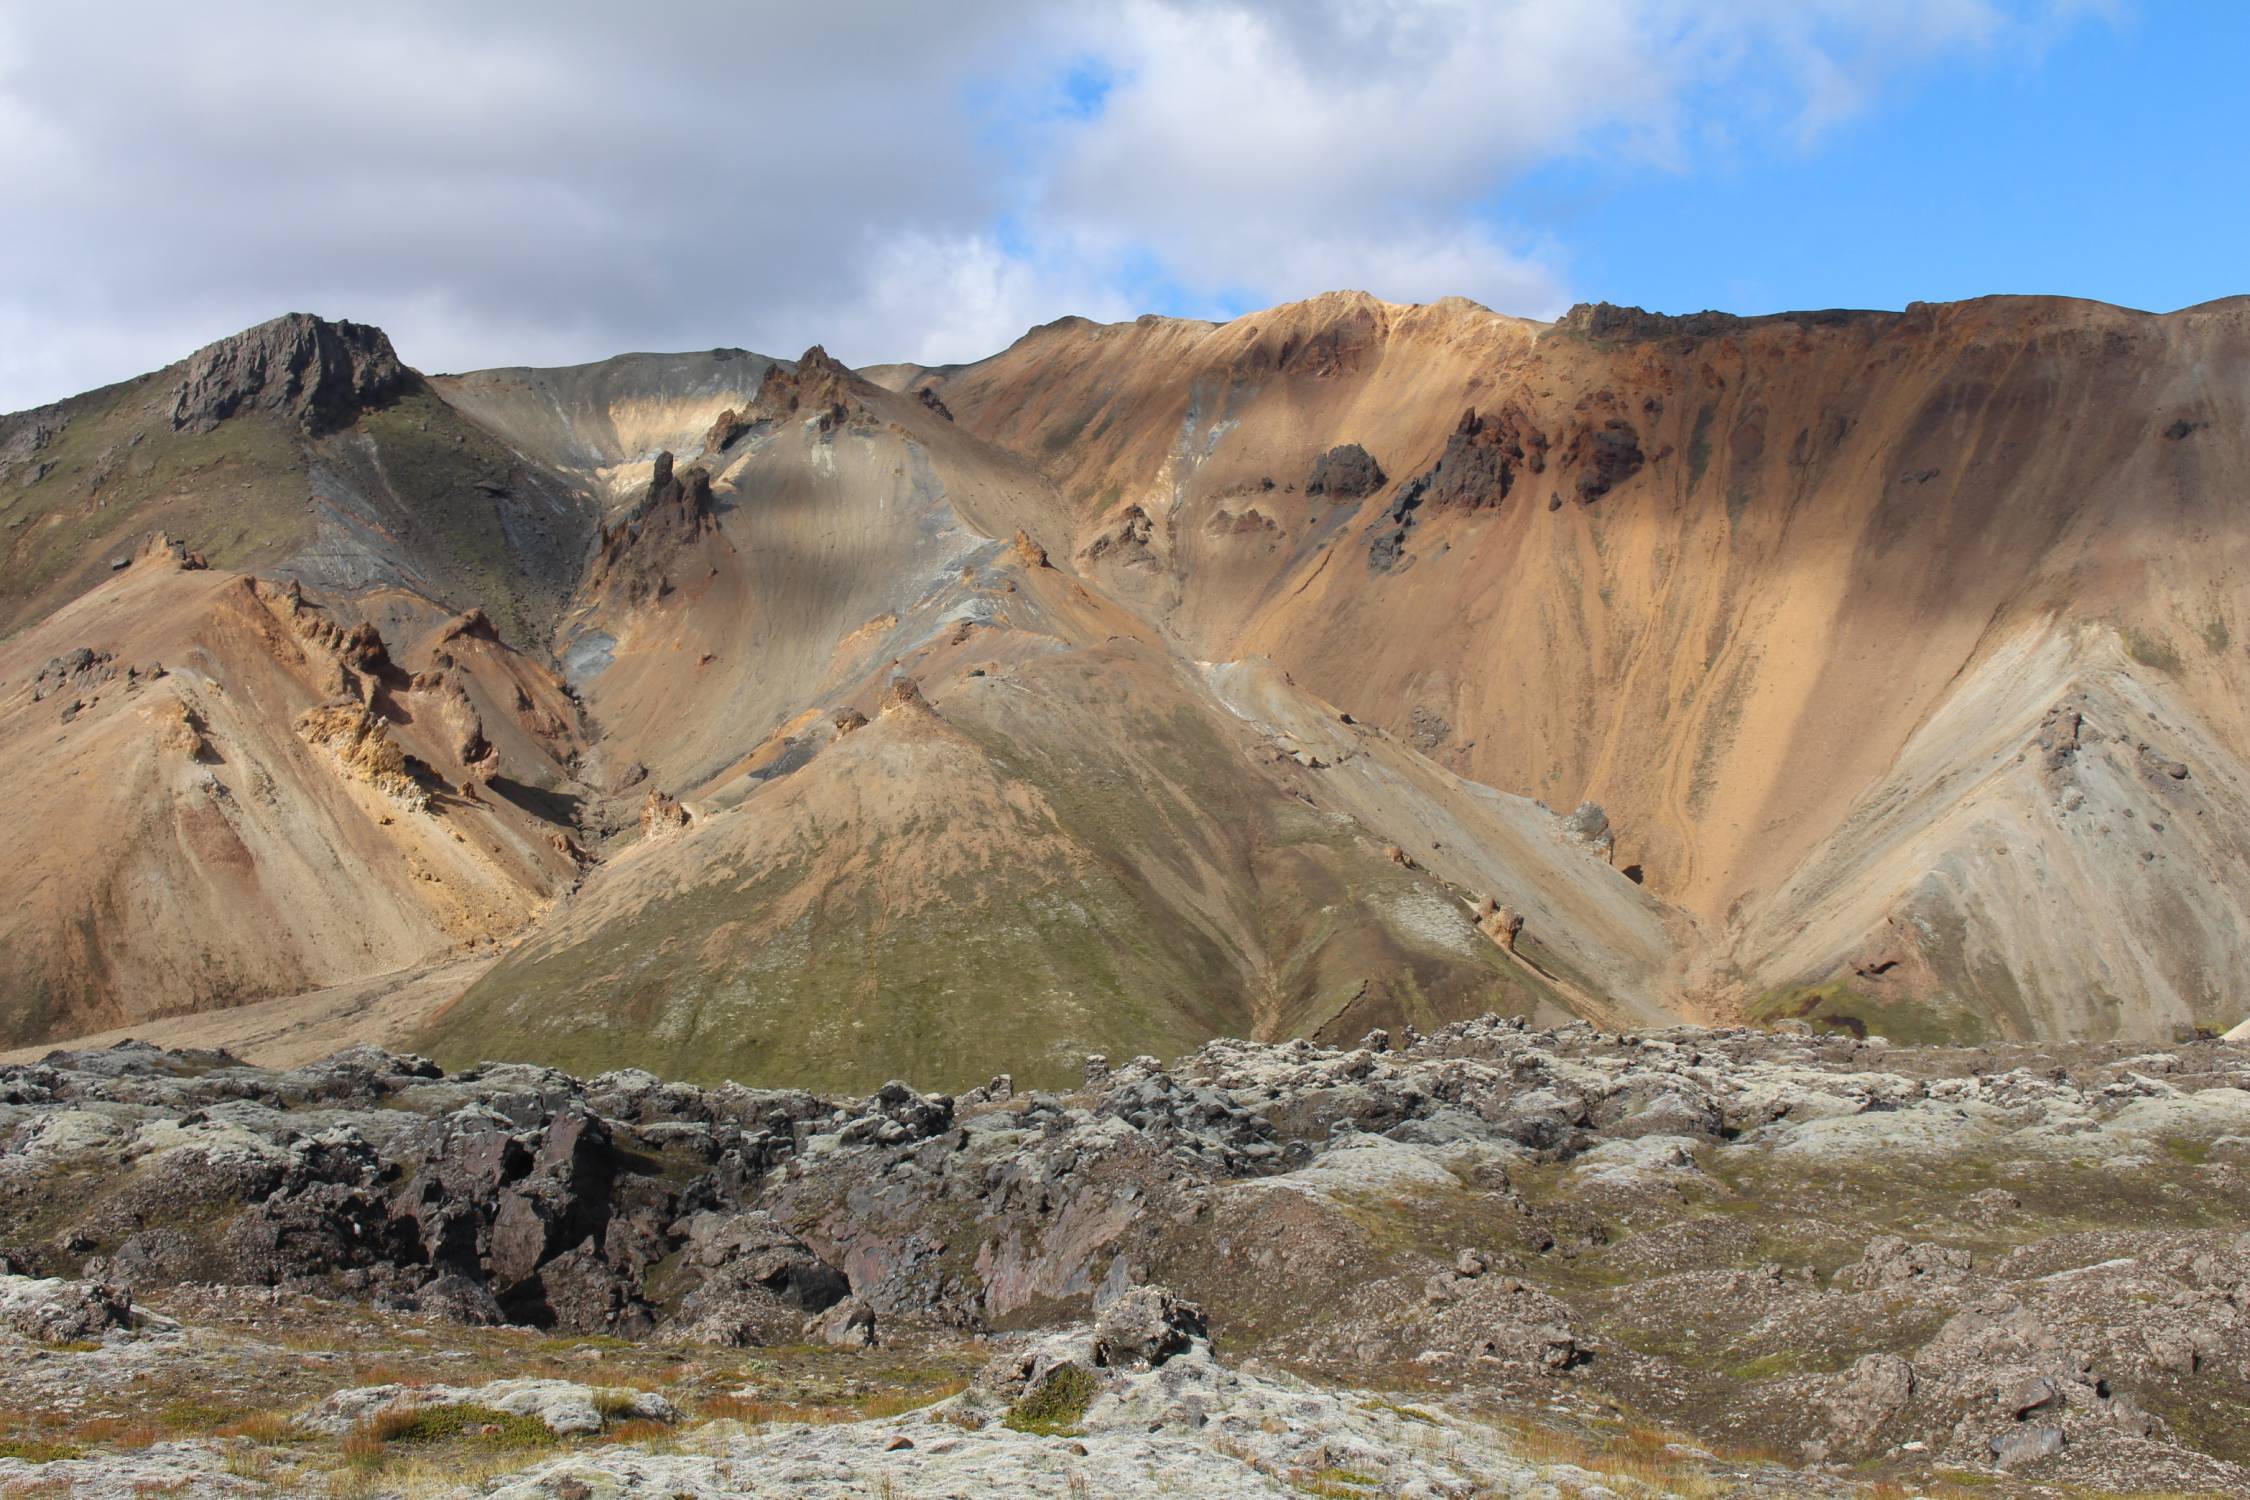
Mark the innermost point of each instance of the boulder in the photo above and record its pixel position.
(1145, 1326)
(1875, 1390)
(2012, 1450)
(757, 1282)
(1890, 1261)
(53, 1311)
(457, 1299)
(850, 1324)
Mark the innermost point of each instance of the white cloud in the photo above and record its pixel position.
(546, 180)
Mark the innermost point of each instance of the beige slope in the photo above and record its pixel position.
(836, 544)
(1166, 874)
(187, 839)
(604, 423)
(1611, 943)
(2065, 847)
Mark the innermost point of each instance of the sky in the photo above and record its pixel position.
(553, 181)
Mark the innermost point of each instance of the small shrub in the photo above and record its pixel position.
(181, 1418)
(2151, 650)
(262, 1427)
(458, 1420)
(1407, 1413)
(899, 1403)
(38, 1450)
(1057, 1406)
(757, 1412)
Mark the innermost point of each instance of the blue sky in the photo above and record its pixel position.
(551, 181)
(2116, 166)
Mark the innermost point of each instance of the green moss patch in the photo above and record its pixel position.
(463, 1421)
(1057, 1406)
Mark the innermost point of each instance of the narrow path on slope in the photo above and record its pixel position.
(291, 1029)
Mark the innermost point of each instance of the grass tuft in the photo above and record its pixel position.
(456, 1421)
(1056, 1406)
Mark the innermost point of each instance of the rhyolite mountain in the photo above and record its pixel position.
(1142, 683)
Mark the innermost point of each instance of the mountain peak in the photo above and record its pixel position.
(322, 373)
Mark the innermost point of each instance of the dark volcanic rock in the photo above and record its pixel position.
(1476, 471)
(674, 511)
(1607, 321)
(1345, 472)
(321, 373)
(1605, 456)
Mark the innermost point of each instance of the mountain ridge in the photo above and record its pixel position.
(1662, 564)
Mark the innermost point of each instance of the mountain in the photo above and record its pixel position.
(738, 716)
(1879, 637)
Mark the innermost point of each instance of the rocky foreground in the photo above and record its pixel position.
(1493, 1260)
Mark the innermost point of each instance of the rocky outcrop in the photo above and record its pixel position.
(359, 741)
(726, 429)
(1890, 1261)
(80, 670)
(1477, 470)
(1483, 457)
(635, 555)
(55, 1311)
(1607, 322)
(1345, 472)
(1503, 924)
(22, 438)
(818, 384)
(905, 696)
(181, 729)
(1126, 539)
(362, 658)
(320, 374)
(474, 625)
(661, 815)
(1604, 451)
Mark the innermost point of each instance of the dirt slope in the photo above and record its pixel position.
(1714, 574)
(215, 791)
